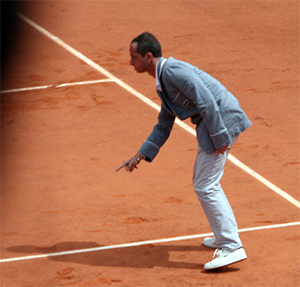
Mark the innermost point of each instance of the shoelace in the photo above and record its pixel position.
(217, 252)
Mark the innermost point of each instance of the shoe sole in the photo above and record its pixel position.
(219, 267)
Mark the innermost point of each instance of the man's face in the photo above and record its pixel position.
(140, 63)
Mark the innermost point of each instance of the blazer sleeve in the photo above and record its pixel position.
(158, 136)
(189, 82)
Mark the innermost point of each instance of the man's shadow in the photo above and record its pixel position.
(144, 256)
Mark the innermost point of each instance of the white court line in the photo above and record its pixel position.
(233, 159)
(56, 86)
(95, 249)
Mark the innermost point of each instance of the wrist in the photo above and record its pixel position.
(139, 157)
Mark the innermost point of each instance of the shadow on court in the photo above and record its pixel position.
(145, 256)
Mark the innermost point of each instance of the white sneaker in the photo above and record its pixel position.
(210, 242)
(225, 257)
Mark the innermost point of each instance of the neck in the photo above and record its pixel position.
(152, 68)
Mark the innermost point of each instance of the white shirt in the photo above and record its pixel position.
(157, 76)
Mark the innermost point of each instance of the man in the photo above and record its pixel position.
(186, 91)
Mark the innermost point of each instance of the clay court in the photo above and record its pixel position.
(73, 109)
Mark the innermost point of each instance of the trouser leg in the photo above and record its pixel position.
(208, 171)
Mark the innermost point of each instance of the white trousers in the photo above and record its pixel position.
(208, 171)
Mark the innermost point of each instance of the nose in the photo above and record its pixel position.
(131, 62)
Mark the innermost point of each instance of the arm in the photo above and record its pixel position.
(158, 136)
(154, 142)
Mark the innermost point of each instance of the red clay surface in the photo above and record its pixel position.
(60, 147)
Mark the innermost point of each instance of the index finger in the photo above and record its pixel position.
(122, 165)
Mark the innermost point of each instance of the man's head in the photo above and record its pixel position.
(145, 50)
(146, 43)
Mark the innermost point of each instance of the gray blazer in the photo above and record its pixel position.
(190, 92)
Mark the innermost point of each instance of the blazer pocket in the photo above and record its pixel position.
(181, 101)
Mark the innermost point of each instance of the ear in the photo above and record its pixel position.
(149, 57)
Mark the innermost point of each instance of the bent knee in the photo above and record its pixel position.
(204, 189)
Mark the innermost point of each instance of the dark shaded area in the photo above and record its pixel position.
(9, 29)
(144, 256)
